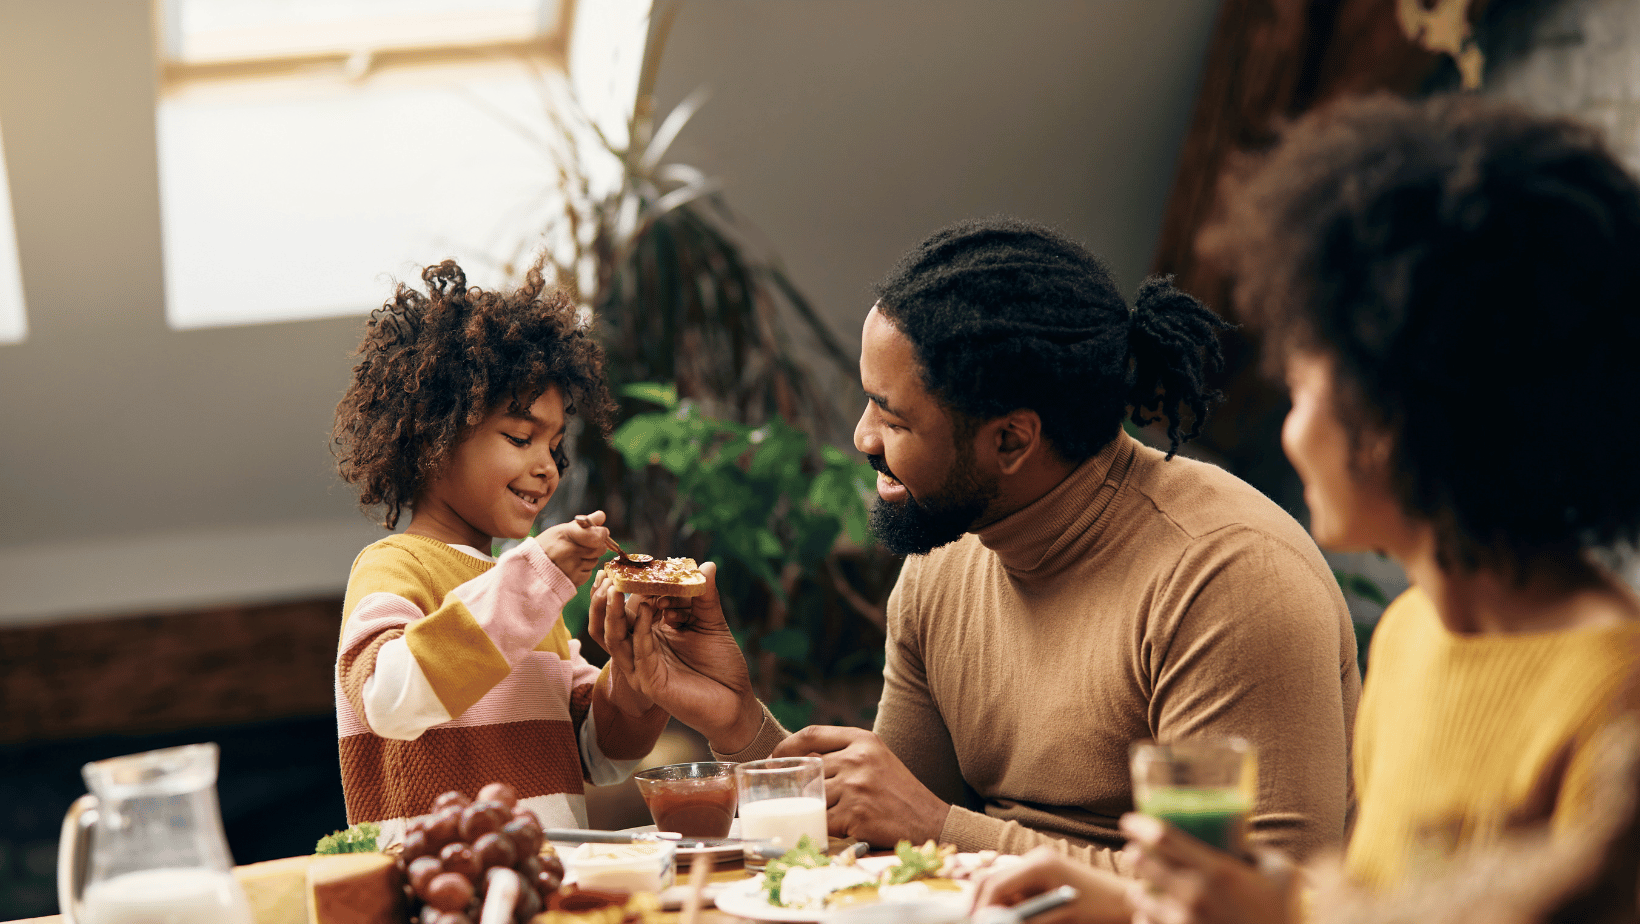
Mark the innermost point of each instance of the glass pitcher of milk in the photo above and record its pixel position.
(146, 846)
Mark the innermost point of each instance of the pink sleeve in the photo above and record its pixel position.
(508, 601)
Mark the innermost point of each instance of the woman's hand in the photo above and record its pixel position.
(576, 549)
(679, 652)
(1181, 880)
(1100, 895)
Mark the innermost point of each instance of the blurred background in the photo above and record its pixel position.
(203, 200)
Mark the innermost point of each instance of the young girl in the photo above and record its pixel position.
(455, 669)
(1451, 291)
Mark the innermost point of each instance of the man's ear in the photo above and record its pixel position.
(1018, 437)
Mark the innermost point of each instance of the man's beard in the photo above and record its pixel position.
(912, 528)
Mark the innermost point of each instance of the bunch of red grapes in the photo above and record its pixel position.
(453, 854)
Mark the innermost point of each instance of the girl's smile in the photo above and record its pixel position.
(498, 478)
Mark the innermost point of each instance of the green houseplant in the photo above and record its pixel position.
(770, 511)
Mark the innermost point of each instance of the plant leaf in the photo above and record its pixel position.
(669, 129)
(786, 643)
(1360, 585)
(663, 394)
(792, 713)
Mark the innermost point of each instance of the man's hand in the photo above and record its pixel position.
(624, 692)
(576, 549)
(870, 795)
(1099, 895)
(680, 653)
(1181, 880)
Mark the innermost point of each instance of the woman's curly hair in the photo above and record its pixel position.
(1474, 272)
(432, 366)
(1006, 314)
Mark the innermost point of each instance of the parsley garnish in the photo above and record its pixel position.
(804, 854)
(360, 838)
(915, 862)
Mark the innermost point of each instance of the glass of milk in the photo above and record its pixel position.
(781, 799)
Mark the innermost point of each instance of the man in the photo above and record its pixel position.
(1068, 590)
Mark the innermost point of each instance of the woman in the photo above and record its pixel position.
(1451, 290)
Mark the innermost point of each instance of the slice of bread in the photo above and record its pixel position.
(665, 577)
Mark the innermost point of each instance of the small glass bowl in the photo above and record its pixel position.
(695, 799)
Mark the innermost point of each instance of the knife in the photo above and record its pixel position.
(766, 849)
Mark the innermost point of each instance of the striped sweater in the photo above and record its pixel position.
(1462, 738)
(455, 670)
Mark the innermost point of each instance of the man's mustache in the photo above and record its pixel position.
(881, 466)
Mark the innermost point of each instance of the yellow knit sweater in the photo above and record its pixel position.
(1462, 738)
(454, 671)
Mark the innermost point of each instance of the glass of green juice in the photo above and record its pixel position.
(1203, 786)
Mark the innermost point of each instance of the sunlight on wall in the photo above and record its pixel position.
(13, 322)
(606, 50)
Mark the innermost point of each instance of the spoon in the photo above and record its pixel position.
(632, 561)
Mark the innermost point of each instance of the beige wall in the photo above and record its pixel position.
(143, 468)
(1576, 58)
(849, 129)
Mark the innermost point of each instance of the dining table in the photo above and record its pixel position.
(726, 869)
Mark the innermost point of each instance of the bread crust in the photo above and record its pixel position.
(668, 577)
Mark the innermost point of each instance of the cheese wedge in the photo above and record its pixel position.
(277, 889)
(355, 888)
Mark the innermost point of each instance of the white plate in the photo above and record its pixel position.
(727, 850)
(747, 899)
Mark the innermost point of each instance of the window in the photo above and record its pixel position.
(313, 151)
(13, 322)
(251, 35)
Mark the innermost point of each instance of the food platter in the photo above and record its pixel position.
(747, 899)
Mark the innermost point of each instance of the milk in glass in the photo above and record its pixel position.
(784, 820)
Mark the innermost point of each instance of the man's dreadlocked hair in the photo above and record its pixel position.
(432, 366)
(1474, 272)
(1004, 314)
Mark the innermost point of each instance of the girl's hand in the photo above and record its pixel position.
(679, 652)
(1181, 880)
(1099, 895)
(576, 549)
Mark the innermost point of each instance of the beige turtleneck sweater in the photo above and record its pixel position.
(1141, 598)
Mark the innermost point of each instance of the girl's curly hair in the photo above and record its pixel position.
(432, 366)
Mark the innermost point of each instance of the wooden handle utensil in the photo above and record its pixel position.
(635, 561)
(699, 871)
